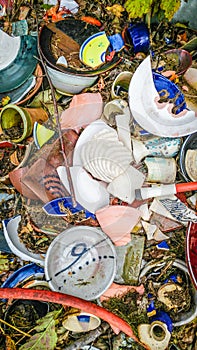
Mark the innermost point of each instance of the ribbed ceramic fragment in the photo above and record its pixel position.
(124, 185)
(90, 193)
(105, 159)
(117, 221)
(86, 135)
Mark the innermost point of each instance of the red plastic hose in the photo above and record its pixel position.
(69, 300)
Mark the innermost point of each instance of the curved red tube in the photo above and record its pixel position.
(69, 300)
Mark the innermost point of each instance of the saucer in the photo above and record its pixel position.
(92, 51)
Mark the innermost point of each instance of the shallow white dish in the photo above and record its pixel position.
(81, 261)
(11, 235)
(157, 120)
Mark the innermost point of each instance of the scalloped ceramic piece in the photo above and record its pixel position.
(11, 235)
(84, 109)
(117, 221)
(124, 185)
(151, 115)
(86, 135)
(89, 193)
(104, 159)
(191, 164)
(8, 49)
(106, 134)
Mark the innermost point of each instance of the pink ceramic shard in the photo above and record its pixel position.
(84, 109)
(15, 178)
(117, 290)
(117, 221)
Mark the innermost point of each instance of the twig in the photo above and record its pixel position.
(56, 112)
(88, 338)
(15, 328)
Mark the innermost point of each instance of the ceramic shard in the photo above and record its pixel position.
(117, 221)
(124, 185)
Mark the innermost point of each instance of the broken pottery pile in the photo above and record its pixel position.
(98, 179)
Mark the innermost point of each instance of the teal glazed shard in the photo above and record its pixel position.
(18, 71)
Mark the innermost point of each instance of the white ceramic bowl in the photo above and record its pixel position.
(69, 83)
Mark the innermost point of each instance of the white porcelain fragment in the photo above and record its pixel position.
(124, 185)
(156, 119)
(90, 193)
(14, 243)
(153, 232)
(123, 129)
(62, 61)
(86, 135)
(144, 211)
(105, 159)
(8, 49)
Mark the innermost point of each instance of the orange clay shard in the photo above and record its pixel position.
(91, 20)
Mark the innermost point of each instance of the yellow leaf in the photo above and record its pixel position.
(116, 9)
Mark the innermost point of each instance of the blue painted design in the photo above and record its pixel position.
(116, 42)
(83, 318)
(163, 317)
(54, 208)
(167, 88)
(21, 274)
(163, 245)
